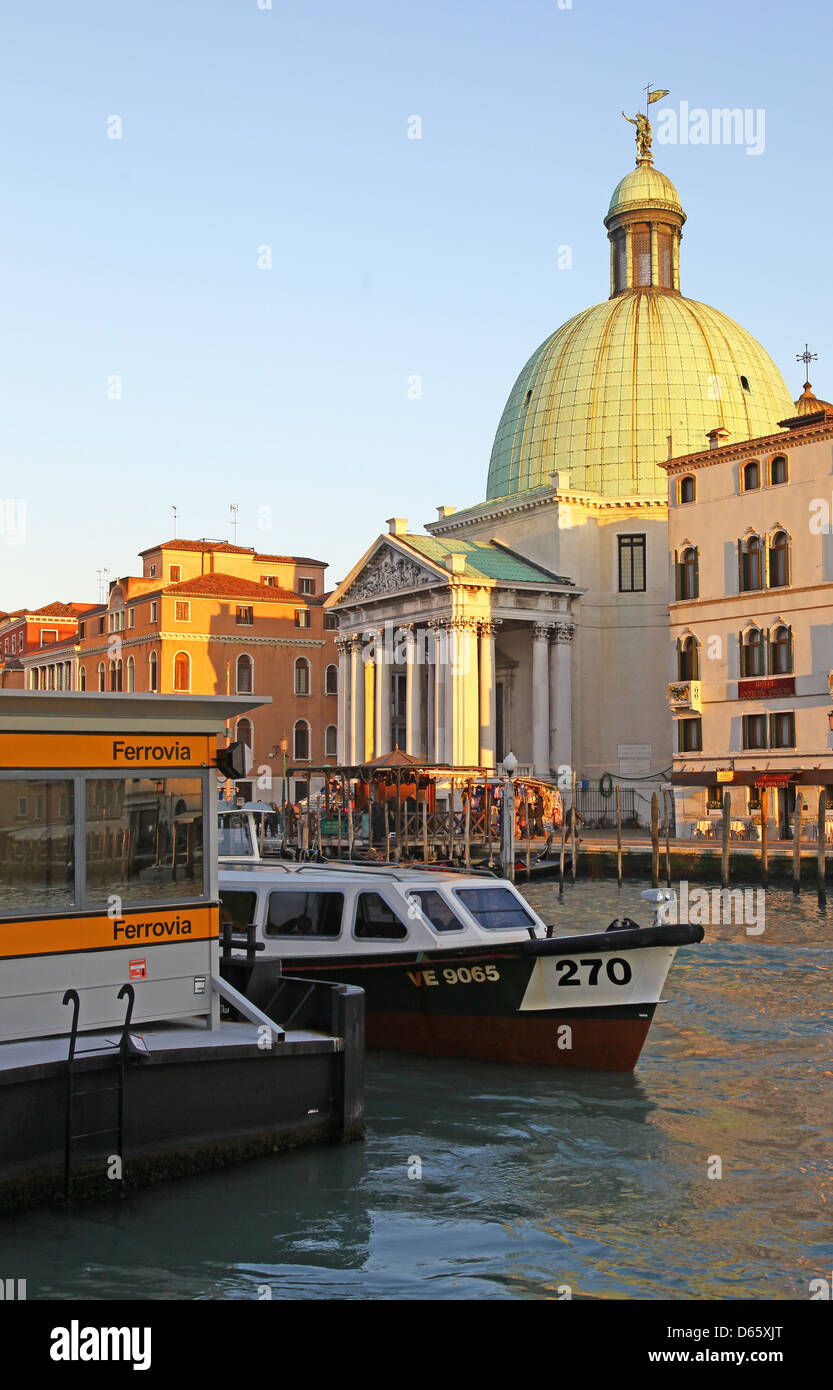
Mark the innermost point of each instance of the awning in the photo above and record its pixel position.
(775, 779)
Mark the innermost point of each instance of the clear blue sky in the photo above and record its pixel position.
(288, 389)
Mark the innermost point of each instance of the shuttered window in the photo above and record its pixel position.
(631, 564)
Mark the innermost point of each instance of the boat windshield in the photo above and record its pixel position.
(496, 909)
(235, 836)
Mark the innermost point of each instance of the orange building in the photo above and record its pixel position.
(209, 618)
(32, 630)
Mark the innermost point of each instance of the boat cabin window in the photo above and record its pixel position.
(436, 909)
(138, 846)
(304, 914)
(237, 909)
(235, 836)
(497, 909)
(377, 920)
(37, 869)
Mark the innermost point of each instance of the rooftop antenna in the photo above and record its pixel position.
(173, 509)
(806, 357)
(233, 510)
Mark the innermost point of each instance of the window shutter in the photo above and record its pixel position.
(788, 552)
(790, 655)
(741, 669)
(696, 593)
(677, 580)
(765, 557)
(695, 660)
(679, 659)
(767, 663)
(740, 567)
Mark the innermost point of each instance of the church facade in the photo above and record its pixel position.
(538, 619)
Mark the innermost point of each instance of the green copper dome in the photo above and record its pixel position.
(639, 378)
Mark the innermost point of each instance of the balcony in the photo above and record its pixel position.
(684, 697)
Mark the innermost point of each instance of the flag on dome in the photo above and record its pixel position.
(658, 95)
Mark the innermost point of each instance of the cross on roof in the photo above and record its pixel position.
(806, 357)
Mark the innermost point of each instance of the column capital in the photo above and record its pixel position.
(541, 631)
(489, 626)
(563, 632)
(343, 644)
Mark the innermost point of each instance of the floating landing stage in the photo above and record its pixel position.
(125, 1055)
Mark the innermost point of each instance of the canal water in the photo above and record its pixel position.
(485, 1181)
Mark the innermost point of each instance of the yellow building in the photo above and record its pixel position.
(209, 618)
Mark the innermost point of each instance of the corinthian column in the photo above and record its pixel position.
(342, 647)
(382, 695)
(413, 696)
(540, 701)
(357, 749)
(561, 686)
(486, 692)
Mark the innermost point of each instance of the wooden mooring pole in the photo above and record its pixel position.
(618, 838)
(425, 828)
(468, 824)
(574, 828)
(821, 854)
(527, 826)
(727, 825)
(667, 818)
(655, 841)
(799, 806)
(764, 837)
(561, 860)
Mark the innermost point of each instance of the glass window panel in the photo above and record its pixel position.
(304, 914)
(37, 846)
(437, 910)
(375, 919)
(144, 839)
(496, 908)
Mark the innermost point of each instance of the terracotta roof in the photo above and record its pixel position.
(226, 548)
(229, 586)
(59, 610)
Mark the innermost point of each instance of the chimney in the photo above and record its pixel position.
(716, 437)
(397, 525)
(455, 563)
(443, 512)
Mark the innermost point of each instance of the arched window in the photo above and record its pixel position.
(688, 581)
(244, 732)
(112, 675)
(331, 742)
(302, 676)
(782, 651)
(751, 476)
(689, 659)
(777, 470)
(779, 560)
(331, 680)
(131, 673)
(82, 678)
(300, 741)
(245, 675)
(688, 489)
(182, 671)
(101, 682)
(153, 675)
(119, 676)
(751, 570)
(752, 662)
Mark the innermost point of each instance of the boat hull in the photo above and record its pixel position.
(571, 1002)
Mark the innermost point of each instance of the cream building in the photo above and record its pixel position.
(751, 620)
(551, 595)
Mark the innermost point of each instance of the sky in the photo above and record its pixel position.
(266, 294)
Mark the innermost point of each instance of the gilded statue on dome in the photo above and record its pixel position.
(643, 134)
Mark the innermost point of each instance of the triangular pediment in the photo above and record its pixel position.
(388, 571)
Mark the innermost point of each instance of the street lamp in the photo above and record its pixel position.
(284, 747)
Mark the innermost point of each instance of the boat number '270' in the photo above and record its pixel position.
(618, 971)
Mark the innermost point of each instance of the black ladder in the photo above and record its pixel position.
(112, 1078)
